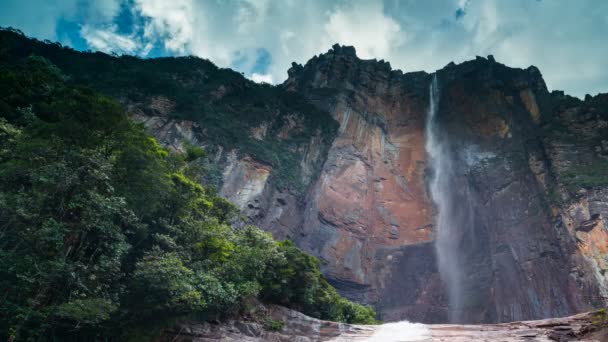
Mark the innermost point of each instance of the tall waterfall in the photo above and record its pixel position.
(442, 189)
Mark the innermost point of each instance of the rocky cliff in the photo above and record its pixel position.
(529, 186)
(335, 159)
(522, 253)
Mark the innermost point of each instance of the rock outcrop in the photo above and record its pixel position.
(297, 327)
(293, 326)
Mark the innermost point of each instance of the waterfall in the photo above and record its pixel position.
(442, 188)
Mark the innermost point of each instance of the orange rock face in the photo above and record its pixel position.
(374, 194)
(369, 201)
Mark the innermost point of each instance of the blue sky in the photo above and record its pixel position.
(567, 40)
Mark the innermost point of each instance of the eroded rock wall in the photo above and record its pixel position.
(537, 243)
(524, 252)
(368, 215)
(249, 183)
(515, 260)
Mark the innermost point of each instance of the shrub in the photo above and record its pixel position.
(274, 324)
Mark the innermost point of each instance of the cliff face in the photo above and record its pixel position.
(335, 160)
(368, 215)
(521, 255)
(529, 179)
(529, 185)
(365, 213)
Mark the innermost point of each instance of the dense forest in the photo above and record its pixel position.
(106, 235)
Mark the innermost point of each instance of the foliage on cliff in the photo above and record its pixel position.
(224, 102)
(102, 230)
(581, 125)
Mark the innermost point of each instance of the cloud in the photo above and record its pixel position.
(172, 22)
(107, 40)
(461, 11)
(261, 78)
(232, 34)
(377, 40)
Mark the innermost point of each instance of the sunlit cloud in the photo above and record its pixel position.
(107, 40)
(261, 78)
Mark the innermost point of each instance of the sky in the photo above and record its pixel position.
(566, 39)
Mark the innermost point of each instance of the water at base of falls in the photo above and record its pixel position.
(400, 332)
(573, 328)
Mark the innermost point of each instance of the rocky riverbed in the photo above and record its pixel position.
(301, 328)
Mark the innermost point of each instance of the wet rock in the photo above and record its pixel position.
(299, 327)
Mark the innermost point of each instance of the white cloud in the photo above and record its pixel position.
(366, 27)
(107, 40)
(261, 78)
(172, 22)
(231, 32)
(286, 36)
(250, 15)
(146, 50)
